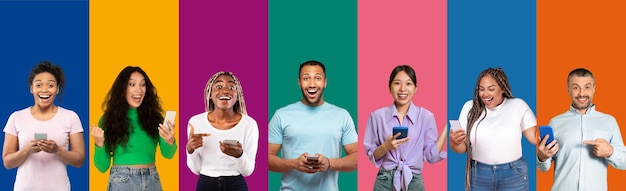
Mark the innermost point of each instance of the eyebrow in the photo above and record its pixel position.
(230, 81)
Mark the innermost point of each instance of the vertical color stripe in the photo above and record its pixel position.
(35, 31)
(143, 34)
(489, 34)
(224, 36)
(580, 34)
(323, 31)
(398, 33)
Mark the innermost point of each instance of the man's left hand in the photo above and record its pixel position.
(601, 148)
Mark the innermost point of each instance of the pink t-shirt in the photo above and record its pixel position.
(43, 171)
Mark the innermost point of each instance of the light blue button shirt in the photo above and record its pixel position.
(576, 167)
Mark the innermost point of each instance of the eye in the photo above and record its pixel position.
(575, 88)
(131, 84)
(38, 85)
(219, 87)
(231, 88)
(409, 84)
(318, 78)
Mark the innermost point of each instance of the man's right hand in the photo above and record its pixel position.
(302, 165)
(544, 152)
(195, 140)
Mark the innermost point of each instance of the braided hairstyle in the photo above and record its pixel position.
(478, 112)
(240, 105)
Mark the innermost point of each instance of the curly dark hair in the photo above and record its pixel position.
(115, 122)
(55, 70)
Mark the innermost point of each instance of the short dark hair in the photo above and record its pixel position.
(406, 68)
(579, 72)
(311, 63)
(47, 66)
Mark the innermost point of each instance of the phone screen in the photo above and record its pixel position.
(169, 116)
(546, 130)
(455, 125)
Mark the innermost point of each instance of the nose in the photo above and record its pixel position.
(402, 87)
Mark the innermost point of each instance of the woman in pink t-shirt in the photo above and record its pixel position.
(37, 138)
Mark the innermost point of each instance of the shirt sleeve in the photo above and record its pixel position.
(194, 160)
(167, 150)
(349, 135)
(618, 158)
(528, 120)
(246, 162)
(371, 141)
(76, 125)
(430, 150)
(545, 165)
(275, 130)
(10, 128)
(101, 158)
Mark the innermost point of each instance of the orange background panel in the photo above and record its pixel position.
(573, 34)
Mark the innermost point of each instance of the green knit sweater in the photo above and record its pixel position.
(140, 148)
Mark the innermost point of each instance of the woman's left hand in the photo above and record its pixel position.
(48, 146)
(232, 150)
(167, 134)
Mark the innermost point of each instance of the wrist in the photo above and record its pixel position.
(328, 161)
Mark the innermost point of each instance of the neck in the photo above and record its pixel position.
(224, 115)
(44, 110)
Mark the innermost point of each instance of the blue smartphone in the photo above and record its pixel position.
(546, 130)
(404, 131)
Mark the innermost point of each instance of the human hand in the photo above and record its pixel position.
(392, 143)
(167, 134)
(322, 164)
(232, 150)
(457, 137)
(301, 164)
(544, 152)
(601, 148)
(195, 140)
(98, 135)
(31, 147)
(49, 146)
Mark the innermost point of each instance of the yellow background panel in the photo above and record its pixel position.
(136, 33)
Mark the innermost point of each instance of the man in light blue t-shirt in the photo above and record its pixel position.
(310, 134)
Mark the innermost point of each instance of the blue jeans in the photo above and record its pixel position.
(222, 183)
(510, 176)
(124, 178)
(384, 181)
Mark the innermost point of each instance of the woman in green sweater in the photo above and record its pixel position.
(130, 130)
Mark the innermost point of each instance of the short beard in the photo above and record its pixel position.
(581, 107)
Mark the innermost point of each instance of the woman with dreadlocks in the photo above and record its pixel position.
(492, 125)
(130, 130)
(223, 140)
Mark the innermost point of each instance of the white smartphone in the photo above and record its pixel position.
(230, 142)
(41, 136)
(169, 116)
(455, 125)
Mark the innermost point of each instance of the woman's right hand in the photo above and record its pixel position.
(31, 147)
(392, 143)
(195, 140)
(457, 137)
(98, 135)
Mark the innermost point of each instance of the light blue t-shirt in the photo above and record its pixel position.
(322, 129)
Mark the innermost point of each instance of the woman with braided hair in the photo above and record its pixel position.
(223, 140)
(492, 124)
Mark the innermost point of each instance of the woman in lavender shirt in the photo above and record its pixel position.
(400, 161)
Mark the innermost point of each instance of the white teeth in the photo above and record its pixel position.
(224, 98)
(403, 95)
(44, 96)
(136, 97)
(311, 91)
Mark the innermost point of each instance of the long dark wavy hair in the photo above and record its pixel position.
(478, 108)
(115, 122)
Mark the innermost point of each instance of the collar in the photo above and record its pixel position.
(411, 114)
(590, 110)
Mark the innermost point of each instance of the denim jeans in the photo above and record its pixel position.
(124, 178)
(384, 181)
(222, 183)
(510, 176)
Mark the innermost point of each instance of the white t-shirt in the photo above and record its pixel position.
(43, 171)
(209, 160)
(497, 139)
